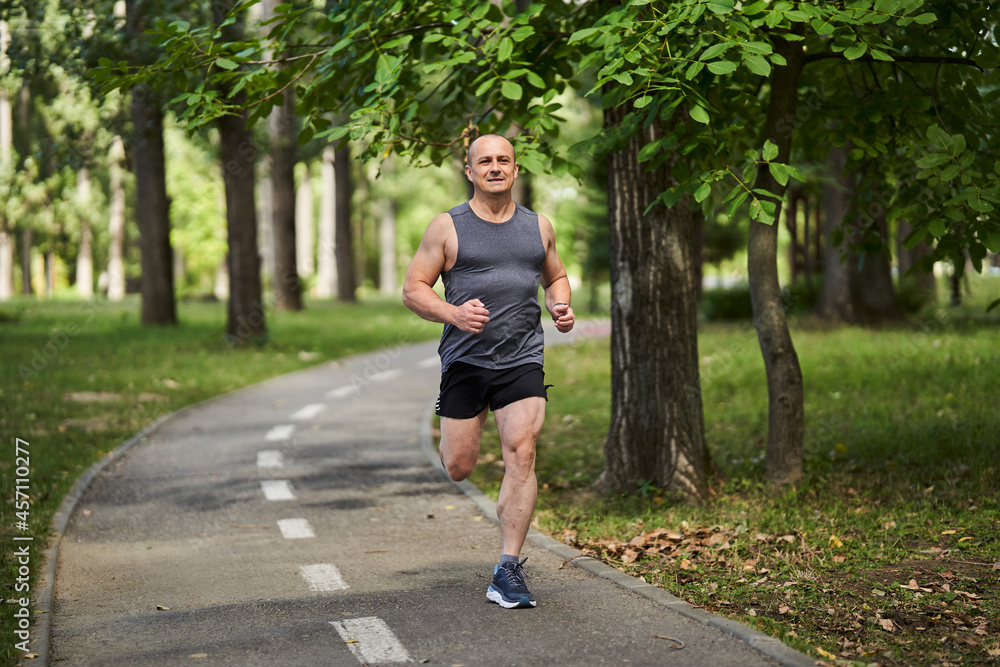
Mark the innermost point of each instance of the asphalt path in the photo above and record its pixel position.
(302, 522)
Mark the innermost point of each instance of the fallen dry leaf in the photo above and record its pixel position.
(996, 565)
(948, 532)
(887, 624)
(198, 656)
(160, 607)
(784, 609)
(835, 541)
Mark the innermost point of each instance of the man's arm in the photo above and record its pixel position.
(555, 282)
(424, 270)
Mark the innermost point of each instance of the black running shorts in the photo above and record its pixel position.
(467, 390)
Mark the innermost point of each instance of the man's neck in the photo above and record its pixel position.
(492, 209)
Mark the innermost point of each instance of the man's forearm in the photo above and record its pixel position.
(558, 292)
(426, 303)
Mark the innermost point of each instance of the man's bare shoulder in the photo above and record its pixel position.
(545, 227)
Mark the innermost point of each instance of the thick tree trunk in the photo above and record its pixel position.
(873, 297)
(153, 213)
(835, 298)
(116, 223)
(346, 276)
(304, 222)
(85, 255)
(287, 288)
(915, 279)
(786, 422)
(326, 279)
(657, 430)
(246, 321)
(152, 204)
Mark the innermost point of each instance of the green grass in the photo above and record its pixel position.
(902, 485)
(55, 349)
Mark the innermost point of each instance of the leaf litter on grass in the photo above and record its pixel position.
(942, 609)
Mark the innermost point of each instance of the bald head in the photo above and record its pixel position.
(494, 141)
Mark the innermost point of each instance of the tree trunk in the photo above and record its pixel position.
(116, 223)
(152, 204)
(326, 280)
(915, 280)
(27, 289)
(287, 288)
(304, 235)
(85, 256)
(387, 248)
(657, 431)
(246, 320)
(346, 276)
(835, 297)
(153, 213)
(786, 422)
(6, 164)
(873, 298)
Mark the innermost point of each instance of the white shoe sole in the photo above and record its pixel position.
(495, 596)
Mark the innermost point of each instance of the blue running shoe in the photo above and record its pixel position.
(508, 588)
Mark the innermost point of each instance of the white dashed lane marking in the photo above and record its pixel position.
(270, 458)
(309, 411)
(281, 432)
(387, 375)
(323, 577)
(295, 529)
(277, 489)
(341, 392)
(371, 640)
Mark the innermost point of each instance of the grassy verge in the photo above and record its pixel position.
(884, 554)
(77, 379)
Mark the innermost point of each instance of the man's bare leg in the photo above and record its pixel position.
(460, 440)
(519, 425)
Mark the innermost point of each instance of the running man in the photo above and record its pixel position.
(492, 254)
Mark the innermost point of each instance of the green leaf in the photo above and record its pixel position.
(226, 63)
(924, 19)
(762, 48)
(506, 48)
(950, 172)
(822, 27)
(702, 192)
(643, 102)
(480, 11)
(937, 228)
(721, 6)
(715, 50)
(511, 90)
(993, 304)
(535, 80)
(757, 65)
(582, 34)
(649, 150)
(881, 55)
(855, 51)
(699, 114)
(522, 33)
(485, 86)
(770, 151)
(722, 67)
(779, 172)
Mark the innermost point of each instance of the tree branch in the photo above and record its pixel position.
(942, 60)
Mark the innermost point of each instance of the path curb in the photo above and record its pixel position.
(765, 644)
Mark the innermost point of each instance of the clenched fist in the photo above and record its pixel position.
(471, 316)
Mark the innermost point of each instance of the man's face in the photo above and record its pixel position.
(491, 167)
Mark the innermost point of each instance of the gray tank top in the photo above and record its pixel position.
(498, 263)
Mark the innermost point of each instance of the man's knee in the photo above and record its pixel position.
(458, 470)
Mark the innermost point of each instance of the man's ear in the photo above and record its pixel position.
(468, 172)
